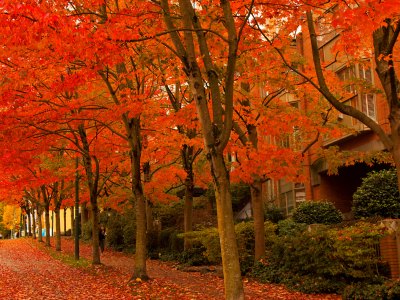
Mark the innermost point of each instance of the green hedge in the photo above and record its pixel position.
(209, 239)
(321, 212)
(325, 260)
(378, 195)
(389, 290)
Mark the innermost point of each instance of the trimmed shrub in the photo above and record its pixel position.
(288, 227)
(209, 239)
(378, 195)
(310, 212)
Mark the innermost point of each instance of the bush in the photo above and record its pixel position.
(378, 195)
(152, 240)
(323, 260)
(193, 257)
(115, 233)
(389, 290)
(87, 231)
(289, 227)
(273, 213)
(163, 239)
(310, 212)
(129, 232)
(209, 239)
(68, 232)
(176, 242)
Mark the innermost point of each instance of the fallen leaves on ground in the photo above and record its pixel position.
(169, 283)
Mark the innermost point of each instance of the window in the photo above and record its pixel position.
(286, 196)
(368, 105)
(286, 202)
(363, 102)
(323, 26)
(365, 73)
(295, 104)
(346, 74)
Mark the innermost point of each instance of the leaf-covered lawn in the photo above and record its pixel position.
(166, 283)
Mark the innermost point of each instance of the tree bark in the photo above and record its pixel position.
(65, 220)
(216, 132)
(58, 230)
(24, 224)
(188, 213)
(93, 185)
(229, 251)
(28, 215)
(258, 216)
(39, 215)
(33, 223)
(72, 221)
(140, 256)
(47, 217)
(149, 215)
(95, 232)
(83, 215)
(394, 119)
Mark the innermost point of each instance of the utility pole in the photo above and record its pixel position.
(76, 209)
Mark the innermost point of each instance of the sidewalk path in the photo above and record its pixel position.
(206, 285)
(28, 273)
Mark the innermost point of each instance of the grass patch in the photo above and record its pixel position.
(65, 257)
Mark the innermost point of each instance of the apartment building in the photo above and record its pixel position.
(339, 188)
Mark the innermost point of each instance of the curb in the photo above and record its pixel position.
(27, 243)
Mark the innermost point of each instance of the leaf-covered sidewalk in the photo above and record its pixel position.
(28, 273)
(183, 284)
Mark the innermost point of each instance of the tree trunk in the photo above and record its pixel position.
(28, 215)
(95, 232)
(258, 216)
(394, 119)
(188, 222)
(34, 223)
(65, 220)
(83, 215)
(229, 251)
(140, 256)
(58, 230)
(72, 221)
(149, 215)
(39, 215)
(25, 227)
(47, 217)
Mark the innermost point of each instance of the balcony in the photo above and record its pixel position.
(346, 120)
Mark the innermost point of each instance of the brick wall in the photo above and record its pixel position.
(388, 247)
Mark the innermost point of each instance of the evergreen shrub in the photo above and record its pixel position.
(378, 195)
(87, 231)
(325, 260)
(321, 212)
